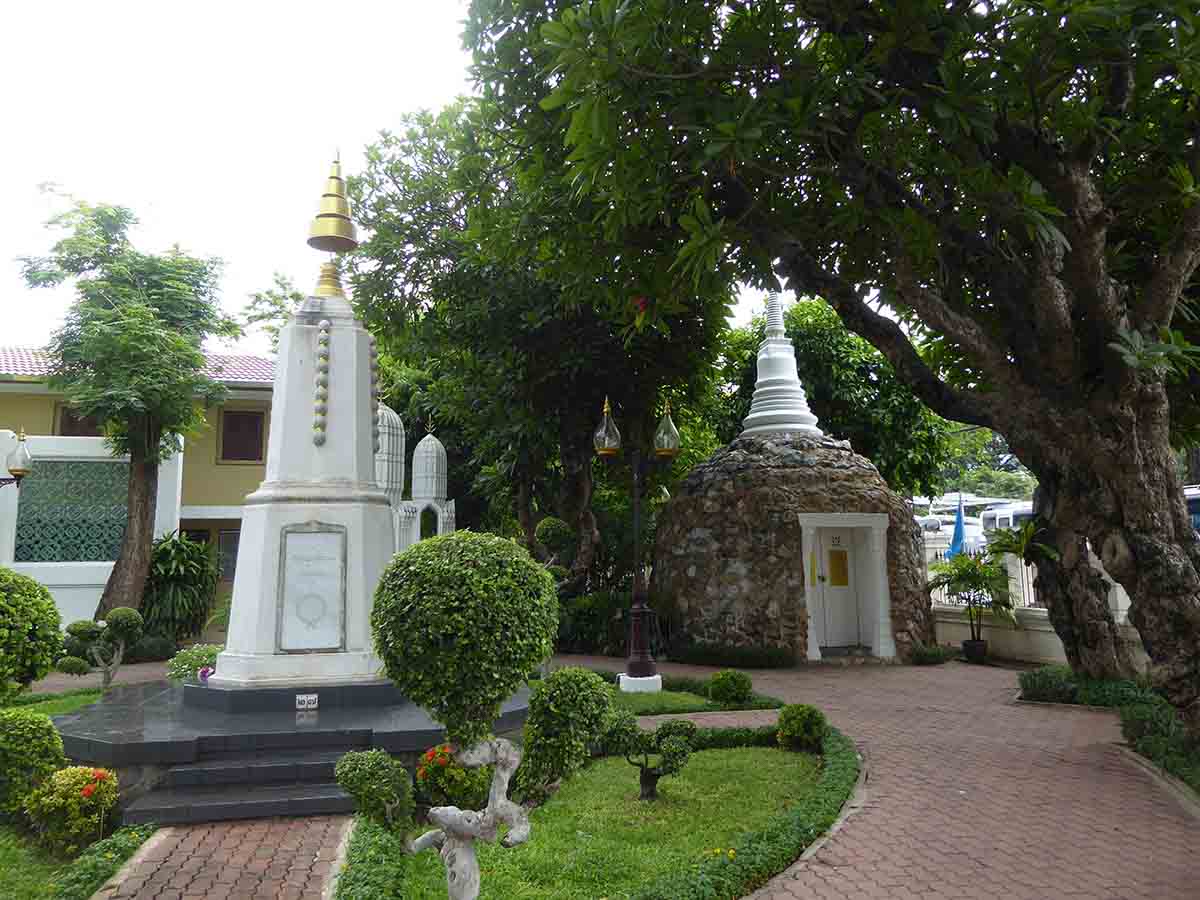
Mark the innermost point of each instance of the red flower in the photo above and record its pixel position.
(443, 761)
(641, 303)
(421, 773)
(100, 774)
(88, 790)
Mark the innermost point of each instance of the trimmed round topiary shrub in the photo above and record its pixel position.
(730, 687)
(567, 714)
(380, 786)
(73, 665)
(31, 749)
(459, 621)
(69, 811)
(802, 727)
(30, 639)
(557, 537)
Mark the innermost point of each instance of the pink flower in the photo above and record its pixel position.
(204, 674)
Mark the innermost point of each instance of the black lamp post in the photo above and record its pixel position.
(20, 463)
(607, 440)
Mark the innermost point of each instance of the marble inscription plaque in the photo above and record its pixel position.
(314, 598)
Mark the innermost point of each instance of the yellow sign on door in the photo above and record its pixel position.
(839, 568)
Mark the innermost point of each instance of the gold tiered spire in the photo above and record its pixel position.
(332, 230)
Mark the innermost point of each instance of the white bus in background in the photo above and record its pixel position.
(1018, 512)
(1008, 515)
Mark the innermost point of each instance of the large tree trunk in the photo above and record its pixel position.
(1076, 598)
(128, 577)
(1118, 484)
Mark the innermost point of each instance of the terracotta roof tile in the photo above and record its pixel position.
(25, 362)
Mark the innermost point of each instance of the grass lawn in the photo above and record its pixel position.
(662, 702)
(26, 870)
(58, 704)
(595, 839)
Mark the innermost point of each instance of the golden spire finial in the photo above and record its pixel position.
(332, 230)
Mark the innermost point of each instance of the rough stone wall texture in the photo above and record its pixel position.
(728, 550)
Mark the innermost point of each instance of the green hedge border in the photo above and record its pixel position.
(374, 869)
(699, 686)
(761, 855)
(99, 862)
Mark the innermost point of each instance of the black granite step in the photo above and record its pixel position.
(189, 805)
(255, 769)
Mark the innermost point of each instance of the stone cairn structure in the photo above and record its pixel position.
(729, 549)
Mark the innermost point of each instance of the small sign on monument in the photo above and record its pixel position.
(313, 588)
(306, 701)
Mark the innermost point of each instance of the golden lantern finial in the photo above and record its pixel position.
(666, 436)
(607, 439)
(332, 230)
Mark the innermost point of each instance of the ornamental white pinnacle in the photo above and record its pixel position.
(780, 404)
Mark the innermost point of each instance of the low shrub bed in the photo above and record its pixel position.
(681, 694)
(98, 863)
(1154, 730)
(1148, 722)
(1058, 684)
(734, 657)
(932, 654)
(740, 812)
(30, 872)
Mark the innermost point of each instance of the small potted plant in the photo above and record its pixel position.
(980, 585)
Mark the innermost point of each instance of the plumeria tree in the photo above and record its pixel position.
(1016, 182)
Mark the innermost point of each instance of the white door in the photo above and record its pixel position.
(839, 592)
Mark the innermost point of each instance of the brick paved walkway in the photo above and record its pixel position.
(971, 795)
(280, 859)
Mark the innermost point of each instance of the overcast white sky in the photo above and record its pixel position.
(215, 122)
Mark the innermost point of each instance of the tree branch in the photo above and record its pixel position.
(805, 274)
(1173, 270)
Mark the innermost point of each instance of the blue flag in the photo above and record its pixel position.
(956, 542)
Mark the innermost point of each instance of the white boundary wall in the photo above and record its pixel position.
(77, 586)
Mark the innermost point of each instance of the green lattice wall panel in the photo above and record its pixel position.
(72, 511)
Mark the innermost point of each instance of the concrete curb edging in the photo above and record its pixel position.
(106, 890)
(339, 859)
(1181, 792)
(855, 802)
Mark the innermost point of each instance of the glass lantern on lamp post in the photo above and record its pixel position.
(607, 440)
(20, 463)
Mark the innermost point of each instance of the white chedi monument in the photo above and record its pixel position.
(389, 465)
(318, 532)
(779, 403)
(429, 489)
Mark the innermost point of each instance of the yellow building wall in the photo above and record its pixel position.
(33, 412)
(207, 482)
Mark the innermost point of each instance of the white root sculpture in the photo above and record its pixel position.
(458, 829)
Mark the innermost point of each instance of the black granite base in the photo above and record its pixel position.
(150, 724)
(258, 700)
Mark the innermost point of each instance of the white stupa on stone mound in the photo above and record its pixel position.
(779, 403)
